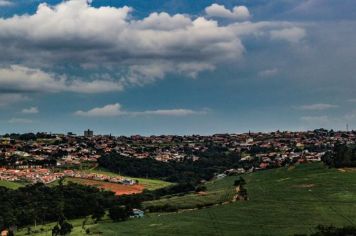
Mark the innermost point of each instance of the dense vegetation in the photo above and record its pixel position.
(342, 156)
(38, 203)
(187, 171)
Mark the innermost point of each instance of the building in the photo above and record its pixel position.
(88, 133)
(136, 213)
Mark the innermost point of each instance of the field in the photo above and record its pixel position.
(283, 201)
(219, 191)
(10, 185)
(149, 184)
(118, 189)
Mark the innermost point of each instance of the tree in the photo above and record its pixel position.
(55, 230)
(66, 228)
(240, 181)
(118, 213)
(98, 213)
(200, 188)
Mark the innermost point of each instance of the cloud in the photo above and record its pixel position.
(107, 37)
(237, 13)
(108, 110)
(113, 110)
(317, 107)
(11, 98)
(5, 3)
(292, 35)
(20, 121)
(170, 112)
(352, 100)
(16, 78)
(31, 110)
(268, 72)
(110, 40)
(316, 120)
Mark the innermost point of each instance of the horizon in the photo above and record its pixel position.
(168, 67)
(80, 134)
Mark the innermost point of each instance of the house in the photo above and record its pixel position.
(221, 176)
(137, 213)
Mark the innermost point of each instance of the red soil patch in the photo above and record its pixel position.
(118, 189)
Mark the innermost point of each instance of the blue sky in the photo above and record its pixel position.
(177, 67)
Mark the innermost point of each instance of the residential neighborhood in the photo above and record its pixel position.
(46, 157)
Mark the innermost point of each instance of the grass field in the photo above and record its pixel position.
(218, 191)
(283, 201)
(149, 184)
(10, 185)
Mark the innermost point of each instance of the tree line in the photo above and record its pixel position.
(38, 204)
(341, 156)
(187, 171)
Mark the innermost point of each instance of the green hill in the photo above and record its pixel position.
(283, 201)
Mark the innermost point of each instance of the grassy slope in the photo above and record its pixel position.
(150, 184)
(10, 185)
(217, 192)
(282, 202)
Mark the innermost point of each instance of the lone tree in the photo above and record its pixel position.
(119, 213)
(62, 228)
(240, 181)
(98, 213)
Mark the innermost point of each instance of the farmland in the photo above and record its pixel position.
(149, 184)
(284, 201)
(118, 189)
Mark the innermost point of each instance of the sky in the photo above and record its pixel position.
(127, 67)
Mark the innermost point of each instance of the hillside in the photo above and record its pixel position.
(282, 201)
(10, 185)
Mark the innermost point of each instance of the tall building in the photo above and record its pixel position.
(88, 133)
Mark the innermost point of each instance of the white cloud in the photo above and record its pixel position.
(237, 13)
(317, 107)
(292, 35)
(31, 110)
(268, 72)
(352, 100)
(110, 39)
(16, 78)
(112, 110)
(169, 112)
(5, 3)
(108, 110)
(20, 121)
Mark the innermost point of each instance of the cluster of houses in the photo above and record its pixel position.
(46, 176)
(266, 150)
